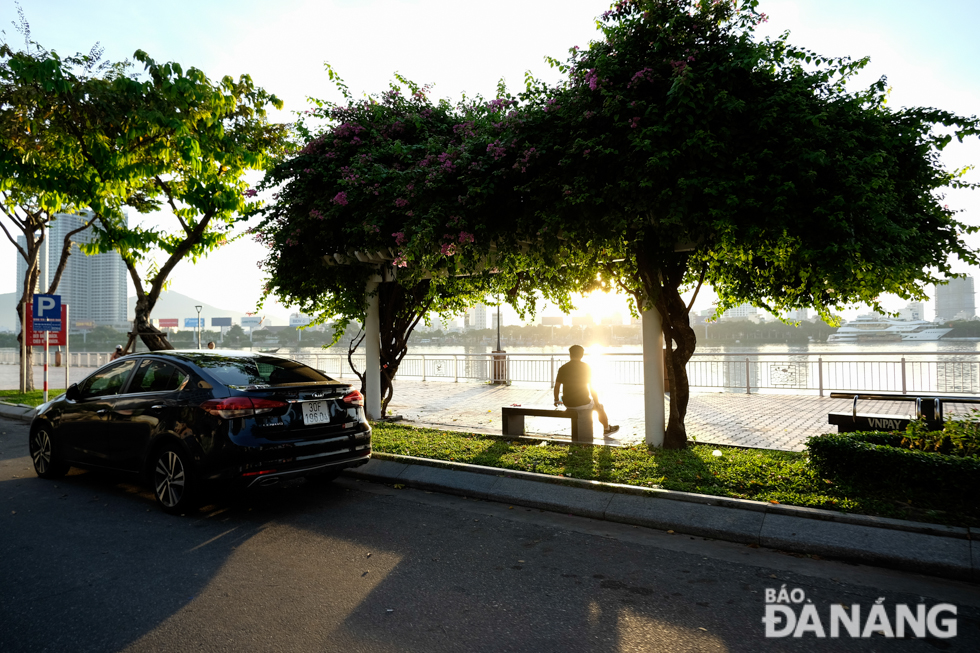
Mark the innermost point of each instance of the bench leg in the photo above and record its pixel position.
(513, 424)
(582, 427)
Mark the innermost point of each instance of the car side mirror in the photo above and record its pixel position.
(73, 394)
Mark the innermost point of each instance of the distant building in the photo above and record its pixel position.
(94, 287)
(583, 320)
(476, 318)
(615, 319)
(914, 311)
(493, 319)
(955, 300)
(799, 315)
(552, 321)
(740, 312)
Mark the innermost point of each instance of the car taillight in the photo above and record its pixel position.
(354, 398)
(230, 407)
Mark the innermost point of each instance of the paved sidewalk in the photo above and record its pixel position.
(747, 420)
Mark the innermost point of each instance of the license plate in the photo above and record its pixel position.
(316, 412)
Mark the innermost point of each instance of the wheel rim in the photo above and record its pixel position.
(169, 479)
(41, 451)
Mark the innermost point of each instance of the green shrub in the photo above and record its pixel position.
(880, 462)
(959, 437)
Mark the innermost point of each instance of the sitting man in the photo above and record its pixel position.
(579, 394)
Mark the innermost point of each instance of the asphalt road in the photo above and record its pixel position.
(88, 563)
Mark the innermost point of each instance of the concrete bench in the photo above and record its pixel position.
(512, 418)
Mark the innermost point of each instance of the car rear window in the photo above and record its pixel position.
(264, 370)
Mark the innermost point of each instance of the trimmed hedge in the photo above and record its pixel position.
(879, 461)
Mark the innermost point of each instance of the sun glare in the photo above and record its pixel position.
(602, 306)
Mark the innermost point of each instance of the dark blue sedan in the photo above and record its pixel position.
(184, 419)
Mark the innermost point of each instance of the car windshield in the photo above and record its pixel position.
(260, 370)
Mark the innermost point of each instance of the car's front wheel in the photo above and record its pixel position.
(174, 481)
(46, 463)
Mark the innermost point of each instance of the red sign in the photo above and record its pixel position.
(36, 338)
(166, 323)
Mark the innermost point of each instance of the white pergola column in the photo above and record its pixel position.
(653, 376)
(372, 354)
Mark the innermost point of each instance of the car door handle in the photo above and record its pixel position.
(102, 411)
(158, 407)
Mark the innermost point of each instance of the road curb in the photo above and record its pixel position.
(20, 412)
(928, 548)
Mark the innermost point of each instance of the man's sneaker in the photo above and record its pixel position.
(610, 430)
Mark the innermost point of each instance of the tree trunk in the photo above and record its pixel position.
(401, 309)
(662, 285)
(24, 360)
(26, 369)
(152, 337)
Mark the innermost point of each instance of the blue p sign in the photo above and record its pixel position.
(47, 313)
(47, 307)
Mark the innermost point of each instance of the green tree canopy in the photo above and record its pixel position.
(679, 150)
(401, 189)
(682, 150)
(162, 136)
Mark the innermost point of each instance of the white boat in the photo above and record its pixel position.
(875, 328)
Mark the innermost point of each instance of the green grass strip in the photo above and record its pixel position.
(756, 474)
(32, 398)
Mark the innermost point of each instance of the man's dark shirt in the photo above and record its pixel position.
(574, 377)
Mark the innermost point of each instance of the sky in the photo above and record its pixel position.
(926, 48)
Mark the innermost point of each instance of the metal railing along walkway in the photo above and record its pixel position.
(804, 373)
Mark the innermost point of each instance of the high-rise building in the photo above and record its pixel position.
(94, 287)
(476, 318)
(955, 300)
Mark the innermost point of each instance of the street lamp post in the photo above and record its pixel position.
(198, 326)
(498, 323)
(499, 355)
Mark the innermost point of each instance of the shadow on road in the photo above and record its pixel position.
(314, 568)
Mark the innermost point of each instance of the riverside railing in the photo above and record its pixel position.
(939, 372)
(803, 373)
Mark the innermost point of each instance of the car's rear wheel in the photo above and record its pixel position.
(46, 463)
(174, 481)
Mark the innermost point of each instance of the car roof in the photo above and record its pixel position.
(196, 355)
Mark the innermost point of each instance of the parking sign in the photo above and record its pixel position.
(46, 313)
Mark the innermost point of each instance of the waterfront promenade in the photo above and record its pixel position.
(748, 420)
